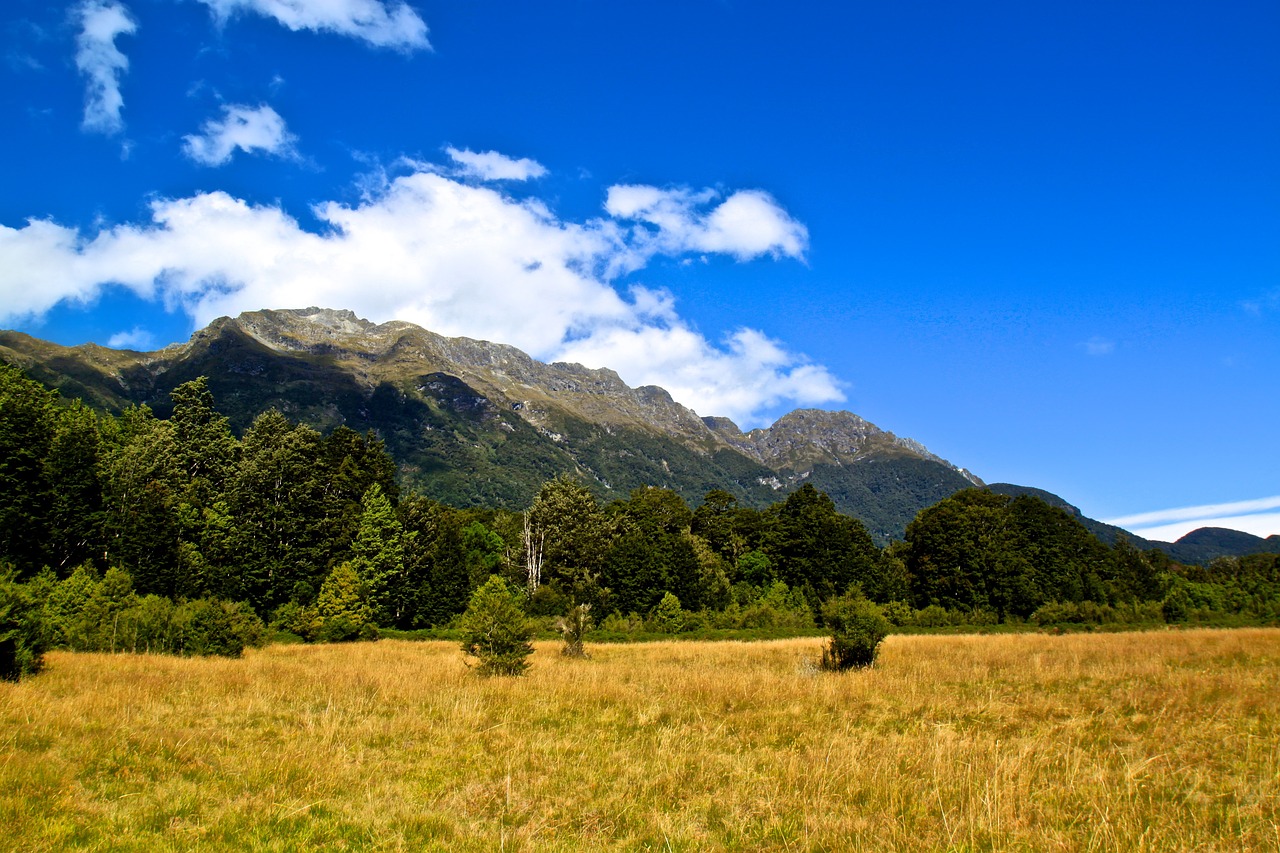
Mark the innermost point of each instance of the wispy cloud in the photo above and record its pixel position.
(102, 63)
(455, 257)
(395, 26)
(492, 166)
(250, 129)
(1252, 516)
(1097, 346)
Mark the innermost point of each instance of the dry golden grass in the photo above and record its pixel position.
(1159, 741)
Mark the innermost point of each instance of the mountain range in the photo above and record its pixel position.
(474, 423)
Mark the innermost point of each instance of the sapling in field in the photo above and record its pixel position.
(495, 630)
(573, 628)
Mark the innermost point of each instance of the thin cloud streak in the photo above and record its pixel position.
(1262, 524)
(1191, 513)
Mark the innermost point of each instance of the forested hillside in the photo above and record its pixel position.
(478, 424)
(132, 532)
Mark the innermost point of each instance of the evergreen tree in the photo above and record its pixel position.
(377, 555)
(343, 609)
(575, 537)
(28, 418)
(495, 630)
(814, 545)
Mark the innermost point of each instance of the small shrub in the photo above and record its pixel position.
(573, 628)
(495, 630)
(857, 627)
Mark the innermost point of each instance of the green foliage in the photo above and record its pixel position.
(857, 628)
(816, 546)
(377, 555)
(23, 635)
(668, 615)
(573, 627)
(212, 627)
(575, 537)
(494, 629)
(978, 549)
(342, 608)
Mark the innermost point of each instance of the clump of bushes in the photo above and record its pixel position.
(857, 628)
(86, 613)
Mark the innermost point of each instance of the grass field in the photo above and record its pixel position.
(1150, 741)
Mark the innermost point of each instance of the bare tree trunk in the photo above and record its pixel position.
(532, 555)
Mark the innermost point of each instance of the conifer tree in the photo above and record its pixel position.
(342, 608)
(495, 630)
(377, 555)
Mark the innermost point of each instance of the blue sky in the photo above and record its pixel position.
(1043, 239)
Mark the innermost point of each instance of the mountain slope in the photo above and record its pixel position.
(1199, 546)
(476, 423)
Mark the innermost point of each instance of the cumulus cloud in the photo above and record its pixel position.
(747, 224)
(136, 338)
(492, 166)
(1168, 525)
(248, 128)
(395, 26)
(102, 63)
(457, 258)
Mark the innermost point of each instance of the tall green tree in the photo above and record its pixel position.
(28, 422)
(377, 555)
(575, 536)
(813, 545)
(142, 491)
(275, 500)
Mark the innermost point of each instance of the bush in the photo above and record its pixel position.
(857, 627)
(495, 630)
(574, 628)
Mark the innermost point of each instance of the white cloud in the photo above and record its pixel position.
(248, 128)
(747, 224)
(395, 26)
(102, 63)
(1169, 525)
(136, 338)
(1096, 346)
(492, 166)
(457, 258)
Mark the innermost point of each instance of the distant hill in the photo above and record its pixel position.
(1198, 546)
(476, 423)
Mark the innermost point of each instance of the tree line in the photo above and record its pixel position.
(311, 534)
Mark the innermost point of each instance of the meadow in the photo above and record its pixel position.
(1143, 741)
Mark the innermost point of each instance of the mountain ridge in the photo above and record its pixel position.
(474, 422)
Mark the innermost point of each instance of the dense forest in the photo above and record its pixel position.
(133, 532)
